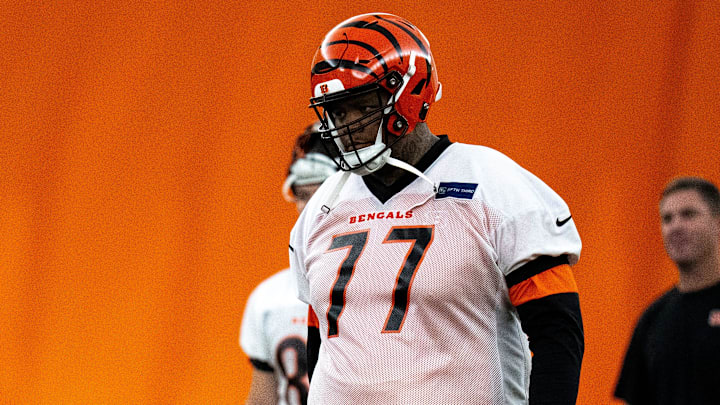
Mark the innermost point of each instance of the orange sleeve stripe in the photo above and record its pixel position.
(312, 320)
(555, 280)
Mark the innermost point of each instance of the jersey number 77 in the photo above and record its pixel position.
(420, 238)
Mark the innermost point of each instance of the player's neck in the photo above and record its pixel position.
(410, 149)
(699, 275)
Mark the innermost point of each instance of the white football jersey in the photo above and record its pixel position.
(410, 294)
(273, 333)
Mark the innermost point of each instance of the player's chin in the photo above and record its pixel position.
(683, 258)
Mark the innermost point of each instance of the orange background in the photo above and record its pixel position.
(143, 146)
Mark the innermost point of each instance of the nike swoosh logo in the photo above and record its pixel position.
(558, 222)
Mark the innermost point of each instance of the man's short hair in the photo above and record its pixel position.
(707, 190)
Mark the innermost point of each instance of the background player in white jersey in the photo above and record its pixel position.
(432, 268)
(274, 324)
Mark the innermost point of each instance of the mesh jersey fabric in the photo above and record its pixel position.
(460, 339)
(274, 331)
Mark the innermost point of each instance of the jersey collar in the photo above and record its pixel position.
(384, 193)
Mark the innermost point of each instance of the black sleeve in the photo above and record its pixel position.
(555, 331)
(261, 365)
(632, 385)
(313, 349)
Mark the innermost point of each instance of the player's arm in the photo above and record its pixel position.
(313, 341)
(254, 342)
(262, 387)
(546, 297)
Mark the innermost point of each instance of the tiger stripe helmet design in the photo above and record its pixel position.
(375, 52)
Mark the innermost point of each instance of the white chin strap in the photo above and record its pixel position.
(352, 160)
(407, 167)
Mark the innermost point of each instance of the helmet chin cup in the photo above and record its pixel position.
(366, 160)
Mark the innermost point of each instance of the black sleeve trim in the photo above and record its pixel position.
(534, 267)
(261, 365)
(555, 332)
(313, 349)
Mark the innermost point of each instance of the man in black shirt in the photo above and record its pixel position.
(674, 354)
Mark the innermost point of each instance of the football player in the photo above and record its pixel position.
(433, 269)
(274, 324)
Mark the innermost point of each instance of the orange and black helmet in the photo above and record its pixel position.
(371, 52)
